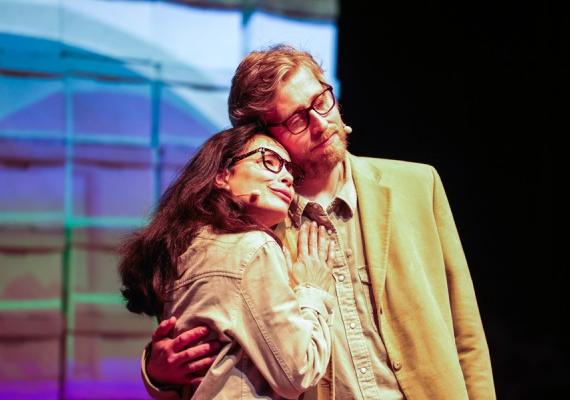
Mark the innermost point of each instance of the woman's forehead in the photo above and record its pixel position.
(262, 140)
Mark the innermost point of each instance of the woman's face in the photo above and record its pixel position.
(266, 194)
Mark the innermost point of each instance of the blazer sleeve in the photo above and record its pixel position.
(285, 332)
(468, 329)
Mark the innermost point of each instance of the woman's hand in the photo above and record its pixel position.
(315, 253)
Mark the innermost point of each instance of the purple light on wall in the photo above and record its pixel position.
(176, 121)
(45, 114)
(105, 112)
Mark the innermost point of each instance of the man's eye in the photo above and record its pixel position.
(296, 119)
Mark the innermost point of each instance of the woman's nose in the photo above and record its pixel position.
(286, 177)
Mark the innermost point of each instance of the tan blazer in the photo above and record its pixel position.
(427, 311)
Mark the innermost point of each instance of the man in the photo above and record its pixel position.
(406, 323)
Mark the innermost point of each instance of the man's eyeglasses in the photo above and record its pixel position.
(299, 121)
(273, 162)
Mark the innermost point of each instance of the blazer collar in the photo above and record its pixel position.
(375, 206)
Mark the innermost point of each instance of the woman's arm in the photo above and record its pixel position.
(302, 359)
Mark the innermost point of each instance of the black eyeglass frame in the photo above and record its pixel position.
(306, 111)
(293, 168)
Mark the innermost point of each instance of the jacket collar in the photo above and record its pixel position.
(375, 206)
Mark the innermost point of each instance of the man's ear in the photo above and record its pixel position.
(222, 180)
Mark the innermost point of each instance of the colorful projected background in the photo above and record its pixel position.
(101, 102)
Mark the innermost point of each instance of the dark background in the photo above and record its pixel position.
(479, 91)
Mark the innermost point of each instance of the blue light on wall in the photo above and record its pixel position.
(101, 103)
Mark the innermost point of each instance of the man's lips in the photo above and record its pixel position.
(324, 142)
(283, 193)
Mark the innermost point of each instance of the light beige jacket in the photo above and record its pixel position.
(276, 341)
(427, 310)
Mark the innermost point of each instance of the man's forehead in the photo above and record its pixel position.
(296, 92)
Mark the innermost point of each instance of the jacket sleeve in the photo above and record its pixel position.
(468, 329)
(153, 391)
(285, 332)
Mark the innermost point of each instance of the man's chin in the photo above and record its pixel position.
(323, 163)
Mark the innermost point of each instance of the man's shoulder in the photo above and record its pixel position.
(389, 168)
(410, 183)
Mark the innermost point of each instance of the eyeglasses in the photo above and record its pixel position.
(299, 120)
(273, 162)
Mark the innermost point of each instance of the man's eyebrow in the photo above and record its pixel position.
(302, 107)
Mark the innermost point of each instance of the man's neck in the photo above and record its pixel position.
(322, 188)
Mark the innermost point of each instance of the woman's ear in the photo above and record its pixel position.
(222, 180)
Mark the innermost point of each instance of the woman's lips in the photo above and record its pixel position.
(283, 193)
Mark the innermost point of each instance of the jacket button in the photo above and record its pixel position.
(397, 365)
(341, 278)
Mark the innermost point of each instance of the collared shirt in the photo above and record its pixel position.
(362, 369)
(276, 340)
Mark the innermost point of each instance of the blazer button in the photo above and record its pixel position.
(397, 365)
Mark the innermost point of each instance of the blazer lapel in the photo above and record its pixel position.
(374, 203)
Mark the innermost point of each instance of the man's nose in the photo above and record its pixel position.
(317, 123)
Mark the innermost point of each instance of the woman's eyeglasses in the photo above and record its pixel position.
(273, 162)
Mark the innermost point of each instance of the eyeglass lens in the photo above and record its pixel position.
(322, 104)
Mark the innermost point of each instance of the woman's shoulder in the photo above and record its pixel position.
(243, 240)
(211, 251)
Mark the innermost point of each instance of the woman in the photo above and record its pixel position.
(209, 257)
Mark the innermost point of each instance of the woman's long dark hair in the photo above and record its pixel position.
(151, 254)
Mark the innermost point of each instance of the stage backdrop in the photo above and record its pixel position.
(101, 103)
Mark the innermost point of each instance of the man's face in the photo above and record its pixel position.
(323, 143)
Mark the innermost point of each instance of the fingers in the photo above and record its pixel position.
(288, 260)
(302, 241)
(163, 329)
(313, 240)
(186, 339)
(330, 254)
(204, 356)
(289, 265)
(193, 355)
(197, 357)
(323, 243)
(202, 364)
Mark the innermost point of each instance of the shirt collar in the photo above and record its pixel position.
(344, 202)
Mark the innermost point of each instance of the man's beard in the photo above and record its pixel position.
(324, 163)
